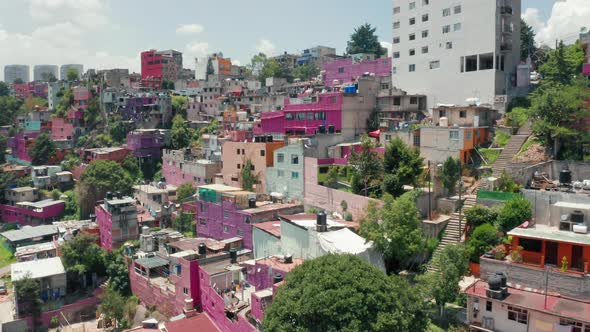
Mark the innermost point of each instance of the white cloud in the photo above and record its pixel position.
(196, 50)
(236, 62)
(567, 17)
(388, 46)
(189, 29)
(86, 13)
(266, 46)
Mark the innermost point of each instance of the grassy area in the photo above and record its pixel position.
(502, 138)
(343, 173)
(6, 256)
(490, 155)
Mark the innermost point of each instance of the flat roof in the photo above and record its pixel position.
(150, 189)
(37, 269)
(30, 232)
(41, 204)
(22, 189)
(193, 244)
(124, 200)
(544, 232)
(202, 323)
(220, 188)
(576, 206)
(271, 207)
(152, 262)
(271, 227)
(556, 305)
(33, 248)
(223, 265)
(309, 221)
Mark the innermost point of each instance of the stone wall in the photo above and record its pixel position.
(519, 275)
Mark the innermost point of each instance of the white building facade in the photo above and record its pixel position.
(460, 52)
(44, 72)
(14, 72)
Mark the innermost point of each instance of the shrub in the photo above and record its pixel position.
(484, 238)
(348, 216)
(54, 322)
(514, 213)
(499, 252)
(344, 205)
(516, 254)
(479, 215)
(507, 184)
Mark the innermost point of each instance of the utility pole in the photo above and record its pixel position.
(429, 192)
(460, 201)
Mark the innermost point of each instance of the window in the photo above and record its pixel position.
(396, 40)
(413, 100)
(240, 232)
(294, 159)
(396, 55)
(424, 49)
(463, 114)
(425, 2)
(425, 18)
(300, 116)
(310, 116)
(396, 10)
(434, 64)
(262, 153)
(280, 157)
(239, 166)
(288, 116)
(449, 45)
(424, 33)
(412, 52)
(238, 151)
(320, 115)
(252, 168)
(412, 36)
(225, 229)
(280, 173)
(468, 135)
(454, 134)
(412, 21)
(397, 101)
(226, 214)
(202, 207)
(457, 9)
(341, 70)
(412, 68)
(394, 70)
(457, 27)
(518, 315)
(575, 326)
(185, 291)
(446, 12)
(446, 29)
(489, 306)
(294, 175)
(531, 245)
(412, 5)
(396, 25)
(486, 61)
(471, 63)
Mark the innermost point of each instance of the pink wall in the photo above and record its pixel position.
(257, 308)
(61, 129)
(350, 71)
(18, 215)
(105, 224)
(586, 69)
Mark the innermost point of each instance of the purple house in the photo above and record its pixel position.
(344, 71)
(225, 212)
(146, 143)
(148, 108)
(305, 115)
(20, 145)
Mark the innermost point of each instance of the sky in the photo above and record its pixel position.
(111, 33)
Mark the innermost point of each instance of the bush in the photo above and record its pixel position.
(54, 322)
(348, 216)
(484, 238)
(514, 213)
(507, 184)
(479, 215)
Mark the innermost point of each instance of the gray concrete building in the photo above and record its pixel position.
(14, 72)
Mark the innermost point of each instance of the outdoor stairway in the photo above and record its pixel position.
(511, 149)
(452, 233)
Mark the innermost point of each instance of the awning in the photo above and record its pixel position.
(375, 133)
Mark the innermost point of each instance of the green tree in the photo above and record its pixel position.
(28, 298)
(343, 293)
(184, 223)
(112, 306)
(332, 178)
(65, 102)
(563, 64)
(31, 102)
(272, 68)
(401, 163)
(118, 273)
(42, 150)
(10, 107)
(180, 133)
(257, 63)
(443, 286)
(306, 71)
(247, 176)
(396, 230)
(367, 164)
(102, 141)
(81, 255)
(450, 174)
(527, 40)
(71, 210)
(484, 238)
(130, 165)
(117, 131)
(374, 120)
(507, 184)
(179, 105)
(184, 191)
(4, 89)
(364, 40)
(92, 112)
(72, 74)
(3, 140)
(99, 178)
(480, 215)
(514, 213)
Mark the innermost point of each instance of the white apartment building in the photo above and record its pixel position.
(14, 72)
(459, 52)
(45, 72)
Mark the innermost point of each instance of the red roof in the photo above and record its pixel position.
(556, 305)
(271, 227)
(201, 323)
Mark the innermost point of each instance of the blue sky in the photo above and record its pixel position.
(111, 33)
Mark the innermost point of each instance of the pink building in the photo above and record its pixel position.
(344, 71)
(226, 212)
(117, 220)
(32, 213)
(113, 153)
(20, 145)
(61, 129)
(81, 97)
(180, 166)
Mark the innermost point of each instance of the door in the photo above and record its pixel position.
(577, 258)
(551, 253)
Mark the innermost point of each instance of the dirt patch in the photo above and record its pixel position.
(535, 153)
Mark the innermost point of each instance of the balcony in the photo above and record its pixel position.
(506, 10)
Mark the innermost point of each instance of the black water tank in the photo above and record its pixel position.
(252, 203)
(233, 255)
(257, 139)
(565, 176)
(262, 139)
(331, 129)
(577, 217)
(503, 278)
(109, 195)
(202, 249)
(322, 219)
(277, 278)
(322, 129)
(269, 138)
(288, 259)
(495, 282)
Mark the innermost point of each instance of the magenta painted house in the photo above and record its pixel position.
(32, 213)
(20, 145)
(344, 71)
(304, 115)
(61, 129)
(179, 167)
(81, 97)
(586, 69)
(117, 220)
(146, 143)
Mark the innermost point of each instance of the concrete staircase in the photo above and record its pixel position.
(453, 233)
(511, 149)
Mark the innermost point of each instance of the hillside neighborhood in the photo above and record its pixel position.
(439, 184)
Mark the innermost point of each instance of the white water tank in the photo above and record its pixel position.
(443, 122)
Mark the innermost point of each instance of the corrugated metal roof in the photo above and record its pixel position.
(30, 233)
(37, 269)
(152, 262)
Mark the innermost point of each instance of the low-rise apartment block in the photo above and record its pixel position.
(182, 166)
(116, 217)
